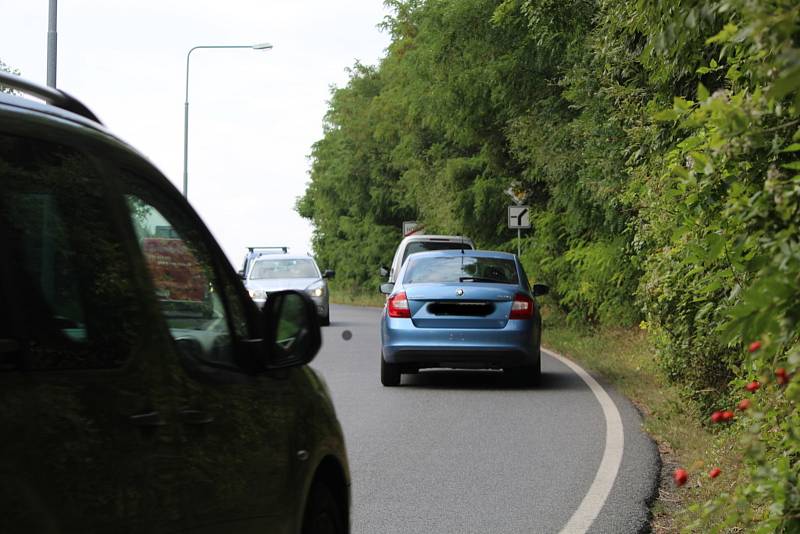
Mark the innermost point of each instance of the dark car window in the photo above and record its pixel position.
(460, 269)
(68, 300)
(184, 278)
(423, 246)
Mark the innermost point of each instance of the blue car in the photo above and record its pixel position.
(461, 309)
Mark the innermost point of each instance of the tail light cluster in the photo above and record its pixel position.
(398, 306)
(522, 307)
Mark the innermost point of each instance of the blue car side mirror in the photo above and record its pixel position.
(540, 289)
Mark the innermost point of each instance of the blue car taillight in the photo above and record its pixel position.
(398, 306)
(522, 307)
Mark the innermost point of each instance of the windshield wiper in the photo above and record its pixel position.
(478, 279)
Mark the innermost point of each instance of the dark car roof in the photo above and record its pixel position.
(65, 119)
(59, 108)
(25, 109)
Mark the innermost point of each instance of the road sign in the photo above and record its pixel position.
(517, 194)
(411, 227)
(519, 217)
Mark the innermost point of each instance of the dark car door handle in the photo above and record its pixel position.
(195, 417)
(147, 419)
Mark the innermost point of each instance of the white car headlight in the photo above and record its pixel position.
(316, 290)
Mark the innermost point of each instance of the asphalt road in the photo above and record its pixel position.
(472, 452)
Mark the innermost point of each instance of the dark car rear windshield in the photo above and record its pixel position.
(460, 269)
(422, 246)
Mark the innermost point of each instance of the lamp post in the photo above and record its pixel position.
(52, 42)
(262, 46)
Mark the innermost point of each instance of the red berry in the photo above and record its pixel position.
(727, 415)
(716, 417)
(780, 376)
(753, 386)
(680, 476)
(743, 404)
(714, 473)
(754, 346)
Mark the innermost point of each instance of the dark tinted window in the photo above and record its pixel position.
(65, 282)
(460, 269)
(422, 246)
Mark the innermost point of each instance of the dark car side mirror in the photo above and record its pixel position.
(241, 274)
(384, 272)
(328, 273)
(540, 289)
(387, 288)
(292, 330)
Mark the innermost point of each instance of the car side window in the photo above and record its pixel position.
(65, 279)
(190, 295)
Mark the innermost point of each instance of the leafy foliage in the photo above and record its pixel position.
(656, 143)
(6, 68)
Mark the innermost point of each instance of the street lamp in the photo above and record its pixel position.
(261, 46)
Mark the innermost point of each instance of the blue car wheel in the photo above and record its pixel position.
(390, 373)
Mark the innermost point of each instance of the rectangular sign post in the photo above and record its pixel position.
(519, 217)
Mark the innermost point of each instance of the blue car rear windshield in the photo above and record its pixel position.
(460, 269)
(271, 269)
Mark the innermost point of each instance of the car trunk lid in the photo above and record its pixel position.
(460, 305)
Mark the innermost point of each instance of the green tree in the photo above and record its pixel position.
(6, 68)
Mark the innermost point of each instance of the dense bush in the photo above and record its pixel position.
(656, 143)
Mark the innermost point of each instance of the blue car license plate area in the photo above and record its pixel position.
(456, 314)
(461, 309)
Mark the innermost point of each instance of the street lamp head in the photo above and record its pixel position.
(261, 46)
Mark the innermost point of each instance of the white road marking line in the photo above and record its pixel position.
(600, 489)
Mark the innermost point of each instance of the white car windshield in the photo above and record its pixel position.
(283, 268)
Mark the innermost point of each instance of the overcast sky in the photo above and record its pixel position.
(253, 115)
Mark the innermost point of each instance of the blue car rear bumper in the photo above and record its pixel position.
(515, 344)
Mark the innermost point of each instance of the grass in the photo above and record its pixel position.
(626, 358)
(355, 297)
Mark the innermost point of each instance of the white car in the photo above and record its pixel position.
(423, 243)
(277, 272)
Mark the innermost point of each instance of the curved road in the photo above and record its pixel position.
(470, 452)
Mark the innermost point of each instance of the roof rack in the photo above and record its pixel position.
(52, 96)
(285, 250)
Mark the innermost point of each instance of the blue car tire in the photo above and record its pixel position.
(390, 373)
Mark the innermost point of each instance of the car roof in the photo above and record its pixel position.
(58, 106)
(427, 237)
(264, 257)
(467, 252)
(55, 98)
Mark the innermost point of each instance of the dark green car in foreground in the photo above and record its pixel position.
(141, 390)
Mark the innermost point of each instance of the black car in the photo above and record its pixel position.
(141, 390)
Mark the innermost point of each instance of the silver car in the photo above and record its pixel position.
(277, 272)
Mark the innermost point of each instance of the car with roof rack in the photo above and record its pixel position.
(142, 389)
(268, 273)
(255, 252)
